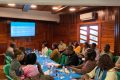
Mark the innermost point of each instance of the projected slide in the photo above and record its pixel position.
(19, 29)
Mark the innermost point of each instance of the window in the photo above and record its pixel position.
(89, 33)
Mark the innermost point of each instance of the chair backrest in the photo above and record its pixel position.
(115, 58)
(49, 52)
(8, 59)
(118, 75)
(63, 59)
(6, 69)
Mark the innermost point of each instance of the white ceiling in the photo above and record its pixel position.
(66, 2)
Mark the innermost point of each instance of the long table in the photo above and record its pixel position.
(60, 75)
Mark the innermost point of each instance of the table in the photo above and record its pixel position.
(62, 75)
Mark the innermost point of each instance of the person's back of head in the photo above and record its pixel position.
(90, 55)
(31, 58)
(105, 62)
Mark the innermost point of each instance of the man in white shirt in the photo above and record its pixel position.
(10, 50)
(61, 46)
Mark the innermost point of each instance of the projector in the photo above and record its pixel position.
(26, 7)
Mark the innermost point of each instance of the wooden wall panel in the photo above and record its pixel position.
(117, 31)
(43, 33)
(107, 34)
(68, 29)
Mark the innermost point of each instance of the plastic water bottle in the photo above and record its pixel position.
(52, 70)
(63, 68)
(70, 74)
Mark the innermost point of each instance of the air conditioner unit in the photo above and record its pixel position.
(88, 16)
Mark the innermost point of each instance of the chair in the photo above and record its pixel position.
(8, 59)
(118, 75)
(115, 58)
(49, 52)
(6, 71)
(63, 59)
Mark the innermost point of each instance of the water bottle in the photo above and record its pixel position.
(52, 69)
(70, 73)
(63, 68)
(34, 51)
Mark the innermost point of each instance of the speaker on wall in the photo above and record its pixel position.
(26, 7)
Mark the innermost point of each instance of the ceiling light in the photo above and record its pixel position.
(72, 9)
(12, 5)
(33, 6)
(55, 8)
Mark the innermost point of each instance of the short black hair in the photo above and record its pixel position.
(107, 45)
(31, 58)
(91, 54)
(70, 48)
(94, 44)
(12, 45)
(45, 43)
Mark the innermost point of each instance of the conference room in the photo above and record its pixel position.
(59, 40)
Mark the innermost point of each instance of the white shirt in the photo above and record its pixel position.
(62, 47)
(97, 54)
(44, 50)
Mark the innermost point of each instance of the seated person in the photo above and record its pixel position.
(77, 48)
(55, 55)
(44, 48)
(86, 46)
(89, 63)
(33, 72)
(104, 70)
(107, 51)
(93, 46)
(10, 50)
(72, 58)
(61, 46)
(15, 68)
(23, 62)
(117, 64)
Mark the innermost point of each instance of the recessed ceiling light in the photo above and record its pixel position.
(55, 8)
(12, 5)
(72, 9)
(33, 6)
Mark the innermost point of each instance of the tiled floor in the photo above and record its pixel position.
(2, 75)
